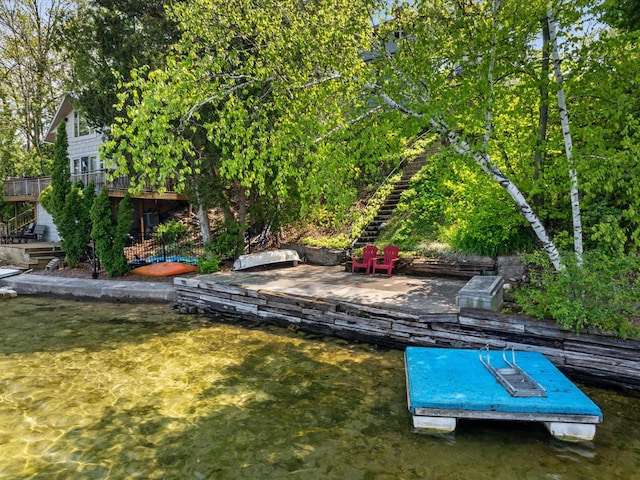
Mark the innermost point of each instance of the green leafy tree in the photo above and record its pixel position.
(31, 71)
(110, 237)
(455, 67)
(14, 159)
(108, 39)
(605, 85)
(69, 205)
(624, 14)
(234, 115)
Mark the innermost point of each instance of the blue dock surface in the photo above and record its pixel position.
(454, 383)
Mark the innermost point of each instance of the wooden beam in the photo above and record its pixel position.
(148, 195)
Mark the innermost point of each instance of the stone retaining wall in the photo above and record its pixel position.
(589, 357)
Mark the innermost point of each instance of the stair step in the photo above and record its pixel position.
(41, 262)
(44, 252)
(370, 233)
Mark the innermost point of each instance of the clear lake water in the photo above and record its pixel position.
(92, 390)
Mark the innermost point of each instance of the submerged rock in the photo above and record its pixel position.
(7, 292)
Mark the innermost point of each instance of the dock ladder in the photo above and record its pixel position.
(512, 377)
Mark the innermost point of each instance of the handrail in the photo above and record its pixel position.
(21, 220)
(512, 377)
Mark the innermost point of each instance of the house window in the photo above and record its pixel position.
(76, 166)
(84, 164)
(80, 125)
(93, 163)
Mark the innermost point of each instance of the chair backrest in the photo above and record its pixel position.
(29, 228)
(369, 252)
(39, 229)
(390, 253)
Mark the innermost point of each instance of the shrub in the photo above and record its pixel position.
(110, 238)
(227, 240)
(170, 232)
(208, 265)
(604, 293)
(75, 223)
(337, 241)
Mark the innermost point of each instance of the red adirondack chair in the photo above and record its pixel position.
(389, 259)
(368, 257)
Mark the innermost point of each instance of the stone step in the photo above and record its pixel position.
(370, 233)
(367, 239)
(41, 263)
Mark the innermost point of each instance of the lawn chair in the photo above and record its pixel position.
(368, 257)
(22, 235)
(389, 259)
(36, 234)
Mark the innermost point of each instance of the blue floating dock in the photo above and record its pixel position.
(444, 385)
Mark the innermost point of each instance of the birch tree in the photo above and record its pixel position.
(566, 134)
(605, 99)
(443, 71)
(253, 93)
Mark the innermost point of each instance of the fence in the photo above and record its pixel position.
(140, 250)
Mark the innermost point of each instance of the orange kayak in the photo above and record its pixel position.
(164, 269)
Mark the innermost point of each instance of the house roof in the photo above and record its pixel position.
(64, 109)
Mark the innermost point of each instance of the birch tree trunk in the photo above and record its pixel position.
(203, 217)
(485, 162)
(568, 143)
(543, 109)
(205, 227)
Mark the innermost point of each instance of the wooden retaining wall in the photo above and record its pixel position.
(589, 357)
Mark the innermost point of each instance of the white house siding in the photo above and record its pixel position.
(85, 146)
(44, 218)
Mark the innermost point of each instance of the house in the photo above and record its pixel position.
(86, 165)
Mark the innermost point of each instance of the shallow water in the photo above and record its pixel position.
(100, 390)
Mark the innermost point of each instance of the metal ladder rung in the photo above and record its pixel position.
(513, 378)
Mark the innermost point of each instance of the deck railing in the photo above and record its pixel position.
(25, 187)
(33, 187)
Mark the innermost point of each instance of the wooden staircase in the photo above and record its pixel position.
(370, 233)
(39, 257)
(36, 255)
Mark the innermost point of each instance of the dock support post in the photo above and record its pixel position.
(572, 432)
(434, 424)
